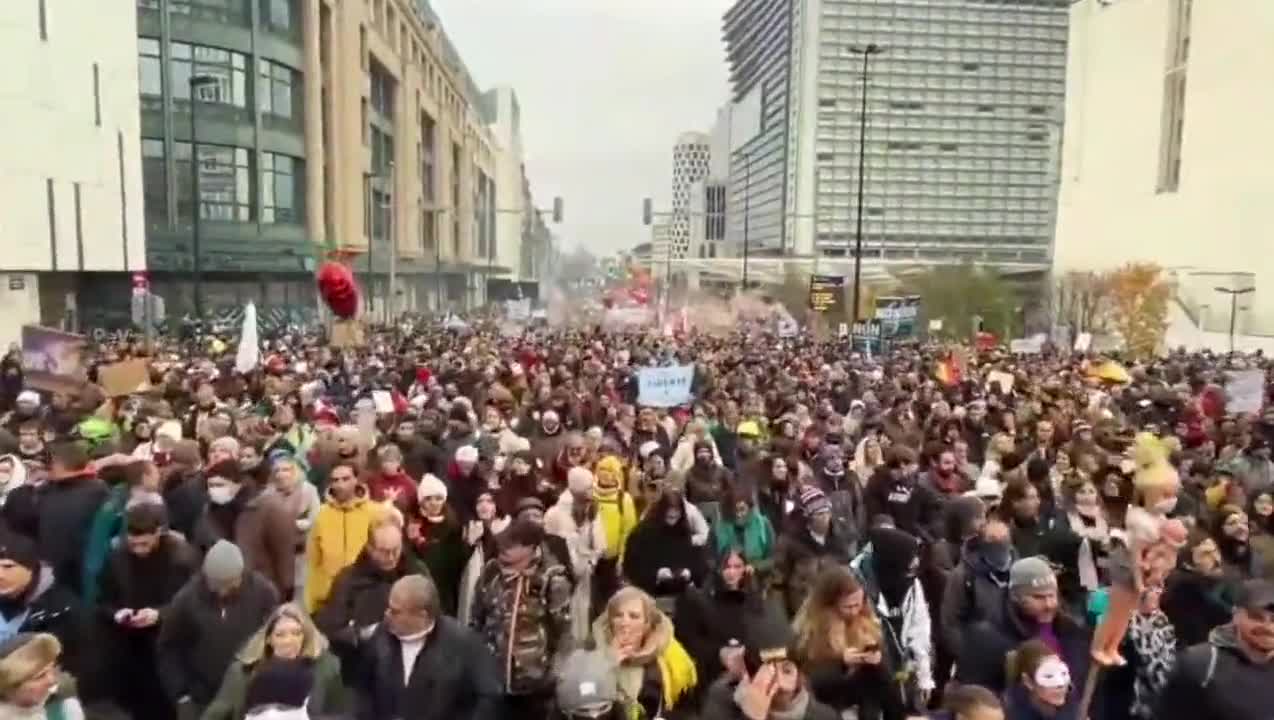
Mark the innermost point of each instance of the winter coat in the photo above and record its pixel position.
(359, 598)
(440, 546)
(104, 529)
(585, 546)
(709, 618)
(914, 643)
(720, 705)
(654, 545)
(327, 698)
(1196, 604)
(974, 591)
(52, 608)
(382, 487)
(265, 531)
(200, 634)
(618, 516)
(1018, 705)
(985, 644)
(65, 509)
(455, 677)
(1215, 680)
(134, 583)
(798, 559)
(754, 539)
(659, 675)
(914, 508)
(337, 539)
(524, 618)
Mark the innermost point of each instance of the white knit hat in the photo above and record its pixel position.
(579, 480)
(467, 454)
(431, 486)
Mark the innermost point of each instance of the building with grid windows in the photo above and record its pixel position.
(964, 109)
(1167, 147)
(690, 158)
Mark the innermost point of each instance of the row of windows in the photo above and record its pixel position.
(832, 213)
(984, 196)
(277, 86)
(1004, 52)
(226, 189)
(960, 72)
(943, 10)
(877, 226)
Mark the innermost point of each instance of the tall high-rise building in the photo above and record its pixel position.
(963, 125)
(689, 166)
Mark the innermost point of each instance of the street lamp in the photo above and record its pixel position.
(196, 82)
(866, 51)
(1234, 306)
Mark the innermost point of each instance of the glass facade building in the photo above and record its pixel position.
(964, 118)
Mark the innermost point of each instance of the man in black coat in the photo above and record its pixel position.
(1231, 675)
(32, 598)
(421, 665)
(1031, 613)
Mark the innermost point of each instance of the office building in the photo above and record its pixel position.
(964, 114)
(319, 126)
(1164, 152)
(71, 222)
(689, 166)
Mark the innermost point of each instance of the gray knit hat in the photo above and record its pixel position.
(587, 679)
(1030, 574)
(223, 565)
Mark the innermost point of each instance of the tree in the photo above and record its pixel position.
(956, 294)
(1082, 301)
(1139, 297)
(794, 293)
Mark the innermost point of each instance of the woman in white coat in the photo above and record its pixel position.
(574, 519)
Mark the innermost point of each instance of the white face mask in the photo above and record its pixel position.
(1166, 505)
(221, 494)
(1053, 674)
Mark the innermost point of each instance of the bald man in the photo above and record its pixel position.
(423, 665)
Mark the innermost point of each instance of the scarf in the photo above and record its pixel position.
(1089, 534)
(618, 516)
(753, 538)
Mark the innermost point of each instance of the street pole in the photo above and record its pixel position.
(866, 51)
(196, 81)
(391, 301)
(747, 195)
(1234, 307)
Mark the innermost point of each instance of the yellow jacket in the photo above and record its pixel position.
(340, 531)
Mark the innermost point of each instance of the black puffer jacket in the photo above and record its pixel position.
(655, 544)
(1217, 681)
(709, 618)
(974, 591)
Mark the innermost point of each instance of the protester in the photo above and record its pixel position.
(207, 623)
(712, 620)
(437, 539)
(31, 685)
(661, 557)
(1041, 688)
(340, 531)
(259, 524)
(653, 671)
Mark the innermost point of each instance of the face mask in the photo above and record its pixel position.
(221, 494)
(1052, 674)
(1166, 505)
(998, 554)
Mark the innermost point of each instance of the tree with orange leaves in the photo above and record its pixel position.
(1139, 296)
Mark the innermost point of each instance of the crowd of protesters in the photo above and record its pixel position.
(472, 524)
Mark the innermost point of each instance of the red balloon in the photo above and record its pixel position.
(337, 288)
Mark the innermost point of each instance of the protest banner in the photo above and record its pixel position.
(665, 386)
(347, 334)
(897, 316)
(827, 294)
(53, 360)
(1245, 391)
(124, 378)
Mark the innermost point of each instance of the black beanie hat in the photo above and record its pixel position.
(769, 639)
(228, 469)
(280, 682)
(19, 549)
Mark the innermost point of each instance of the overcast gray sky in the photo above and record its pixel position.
(605, 86)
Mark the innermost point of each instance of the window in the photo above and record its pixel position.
(227, 67)
(278, 14)
(382, 151)
(382, 90)
(277, 86)
(225, 182)
(1172, 118)
(428, 164)
(282, 178)
(428, 230)
(154, 180)
(150, 71)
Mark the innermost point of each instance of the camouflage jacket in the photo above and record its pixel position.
(524, 618)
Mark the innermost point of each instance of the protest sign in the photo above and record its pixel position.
(898, 315)
(1245, 391)
(1004, 379)
(1033, 345)
(665, 386)
(384, 402)
(347, 334)
(53, 360)
(124, 378)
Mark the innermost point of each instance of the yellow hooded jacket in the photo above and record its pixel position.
(615, 507)
(340, 531)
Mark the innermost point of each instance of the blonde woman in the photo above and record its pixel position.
(639, 639)
(840, 644)
(288, 634)
(868, 456)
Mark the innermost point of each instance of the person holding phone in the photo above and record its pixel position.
(772, 685)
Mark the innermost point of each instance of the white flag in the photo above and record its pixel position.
(249, 355)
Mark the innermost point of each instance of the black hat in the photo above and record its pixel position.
(145, 518)
(280, 682)
(228, 469)
(1256, 594)
(769, 639)
(19, 549)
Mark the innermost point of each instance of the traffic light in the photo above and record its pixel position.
(647, 211)
(557, 210)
